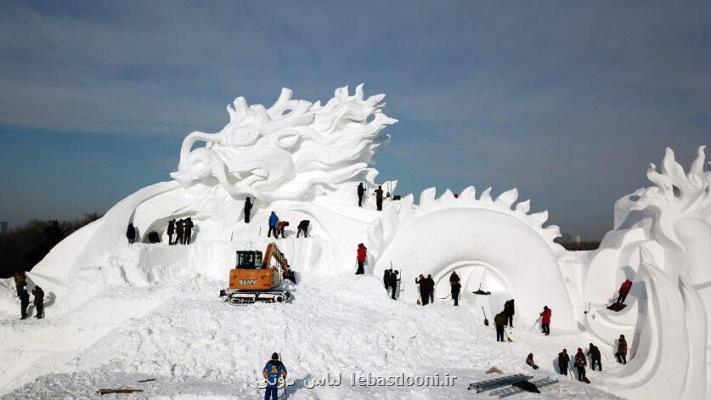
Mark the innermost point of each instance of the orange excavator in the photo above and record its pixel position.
(257, 279)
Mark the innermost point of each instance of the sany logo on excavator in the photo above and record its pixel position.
(247, 281)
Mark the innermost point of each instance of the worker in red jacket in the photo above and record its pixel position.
(362, 253)
(546, 320)
(624, 290)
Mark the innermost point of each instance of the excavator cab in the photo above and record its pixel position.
(257, 279)
(249, 259)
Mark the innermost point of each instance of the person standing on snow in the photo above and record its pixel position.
(131, 233)
(361, 192)
(274, 370)
(431, 285)
(379, 198)
(188, 230)
(360, 258)
(580, 363)
(424, 294)
(247, 210)
(39, 301)
(546, 320)
(171, 231)
(499, 322)
(273, 221)
(456, 287)
(281, 228)
(595, 357)
(563, 361)
(393, 284)
(621, 354)
(509, 312)
(624, 290)
(386, 279)
(303, 227)
(179, 231)
(24, 301)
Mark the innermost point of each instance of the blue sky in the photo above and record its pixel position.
(568, 101)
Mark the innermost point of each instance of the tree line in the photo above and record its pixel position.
(23, 247)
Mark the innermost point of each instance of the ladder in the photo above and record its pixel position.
(510, 391)
(490, 384)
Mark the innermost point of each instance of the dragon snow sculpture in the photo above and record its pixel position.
(295, 152)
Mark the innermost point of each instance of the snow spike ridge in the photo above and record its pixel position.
(407, 201)
(427, 196)
(447, 196)
(375, 100)
(696, 172)
(486, 196)
(674, 170)
(524, 207)
(552, 231)
(508, 198)
(468, 194)
(359, 92)
(538, 219)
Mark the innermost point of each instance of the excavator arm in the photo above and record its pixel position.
(274, 252)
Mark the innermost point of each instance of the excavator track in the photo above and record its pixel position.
(241, 298)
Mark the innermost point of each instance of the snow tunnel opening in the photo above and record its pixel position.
(475, 275)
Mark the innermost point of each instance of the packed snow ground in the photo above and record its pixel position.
(197, 346)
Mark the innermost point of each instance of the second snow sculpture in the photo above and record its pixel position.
(662, 240)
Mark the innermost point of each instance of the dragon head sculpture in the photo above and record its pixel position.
(289, 150)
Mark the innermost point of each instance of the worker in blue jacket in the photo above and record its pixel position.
(273, 220)
(274, 370)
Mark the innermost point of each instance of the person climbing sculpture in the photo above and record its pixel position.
(624, 291)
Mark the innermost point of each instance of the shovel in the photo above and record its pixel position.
(486, 321)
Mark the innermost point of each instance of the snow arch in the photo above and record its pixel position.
(516, 258)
